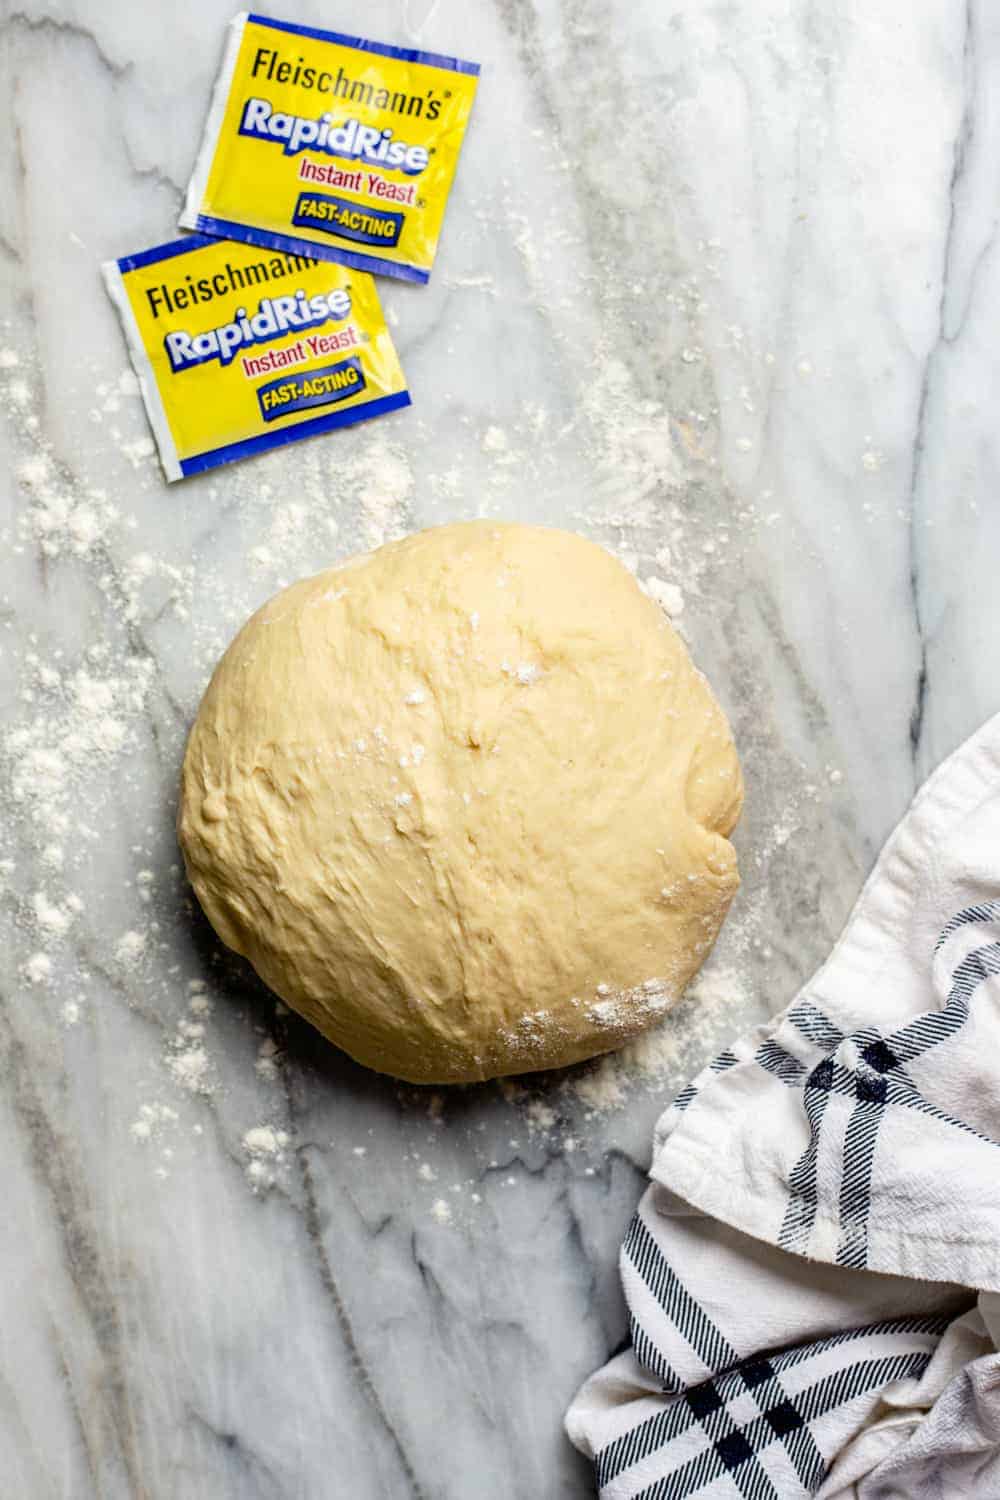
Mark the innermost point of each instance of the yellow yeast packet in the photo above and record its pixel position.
(330, 145)
(238, 349)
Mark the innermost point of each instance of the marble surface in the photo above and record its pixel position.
(716, 278)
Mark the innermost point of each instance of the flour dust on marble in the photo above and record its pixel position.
(81, 716)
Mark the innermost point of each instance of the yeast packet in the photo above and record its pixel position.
(237, 350)
(330, 145)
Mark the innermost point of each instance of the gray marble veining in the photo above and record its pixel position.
(716, 278)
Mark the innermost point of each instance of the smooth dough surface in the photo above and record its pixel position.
(463, 803)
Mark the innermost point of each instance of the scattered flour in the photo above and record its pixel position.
(441, 1211)
(269, 1060)
(699, 1025)
(605, 1012)
(200, 1004)
(291, 523)
(540, 1116)
(52, 919)
(84, 714)
(151, 1120)
(187, 1059)
(264, 1140)
(602, 1087)
(78, 705)
(384, 480)
(84, 726)
(38, 968)
(667, 595)
(631, 435)
(130, 948)
(265, 1146)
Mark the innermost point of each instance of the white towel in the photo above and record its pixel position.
(813, 1276)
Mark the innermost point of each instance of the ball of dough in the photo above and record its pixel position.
(463, 803)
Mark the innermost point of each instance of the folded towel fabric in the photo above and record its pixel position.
(813, 1277)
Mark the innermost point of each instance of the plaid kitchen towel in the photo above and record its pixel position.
(813, 1277)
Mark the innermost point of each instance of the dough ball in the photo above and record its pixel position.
(463, 803)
